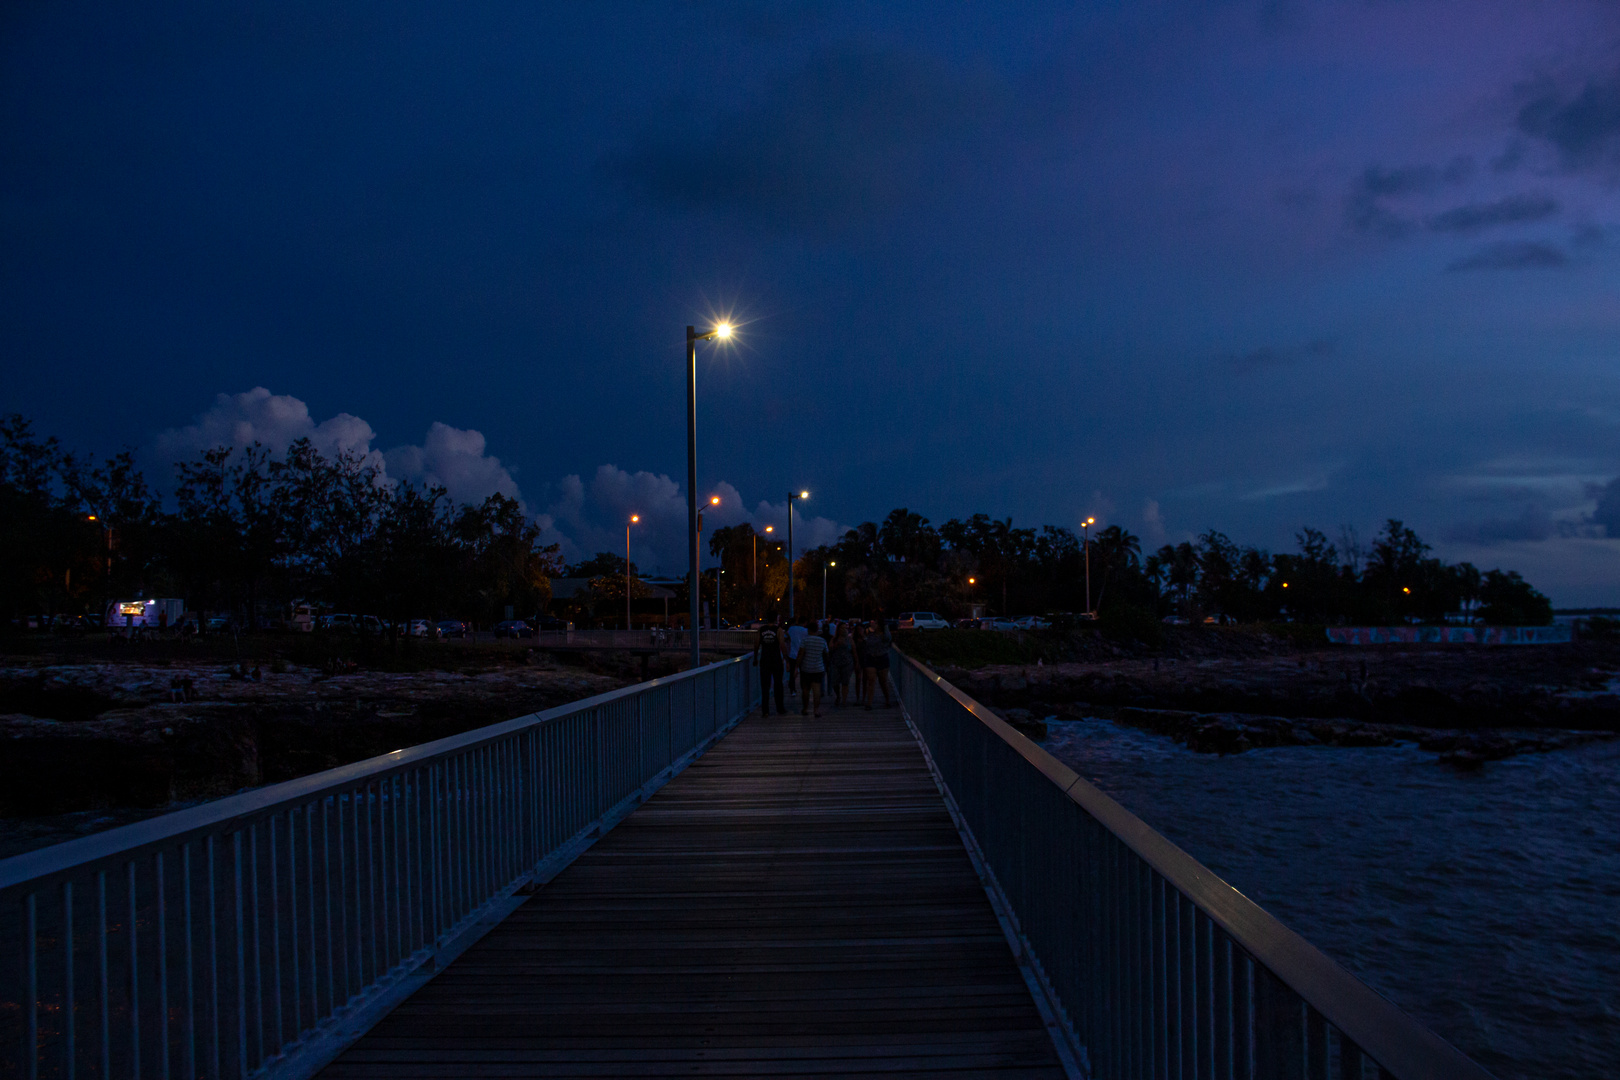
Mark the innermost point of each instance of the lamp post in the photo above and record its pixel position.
(719, 570)
(791, 496)
(721, 331)
(755, 568)
(1085, 529)
(824, 567)
(106, 532)
(634, 519)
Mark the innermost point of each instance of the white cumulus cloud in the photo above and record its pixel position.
(453, 458)
(583, 515)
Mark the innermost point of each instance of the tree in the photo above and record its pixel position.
(1506, 599)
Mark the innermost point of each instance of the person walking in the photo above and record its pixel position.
(875, 664)
(769, 650)
(812, 668)
(796, 633)
(840, 665)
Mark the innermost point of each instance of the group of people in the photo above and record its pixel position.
(813, 659)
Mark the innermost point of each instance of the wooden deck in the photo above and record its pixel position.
(796, 903)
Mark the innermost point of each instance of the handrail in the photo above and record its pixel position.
(256, 934)
(1368, 1025)
(33, 868)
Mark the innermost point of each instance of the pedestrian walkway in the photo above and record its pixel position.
(796, 903)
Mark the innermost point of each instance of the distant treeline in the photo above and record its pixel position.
(251, 531)
(906, 563)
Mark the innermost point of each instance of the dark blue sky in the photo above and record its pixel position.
(1175, 264)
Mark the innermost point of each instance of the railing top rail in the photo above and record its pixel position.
(1370, 1020)
(34, 868)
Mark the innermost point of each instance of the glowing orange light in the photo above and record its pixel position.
(973, 581)
(770, 528)
(1285, 584)
(1405, 589)
(634, 518)
(714, 500)
(90, 517)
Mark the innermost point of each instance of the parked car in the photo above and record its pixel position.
(1032, 622)
(997, 623)
(449, 628)
(1174, 620)
(550, 624)
(418, 628)
(921, 620)
(514, 628)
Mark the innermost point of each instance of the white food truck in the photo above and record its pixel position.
(138, 617)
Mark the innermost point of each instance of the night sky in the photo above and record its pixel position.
(1178, 265)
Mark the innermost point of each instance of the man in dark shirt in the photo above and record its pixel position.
(769, 651)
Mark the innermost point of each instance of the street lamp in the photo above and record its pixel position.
(106, 532)
(1085, 529)
(824, 587)
(791, 496)
(634, 519)
(722, 332)
(753, 567)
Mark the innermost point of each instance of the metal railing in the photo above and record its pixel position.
(1159, 967)
(258, 933)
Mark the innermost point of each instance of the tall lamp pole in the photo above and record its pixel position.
(824, 587)
(791, 496)
(721, 331)
(634, 518)
(1085, 529)
(757, 597)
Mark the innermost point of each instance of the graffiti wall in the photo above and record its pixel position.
(1456, 635)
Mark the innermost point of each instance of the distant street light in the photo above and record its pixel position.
(634, 519)
(1085, 529)
(824, 587)
(791, 497)
(722, 331)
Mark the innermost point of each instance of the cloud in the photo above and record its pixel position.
(1512, 210)
(843, 137)
(450, 457)
(1607, 512)
(1269, 357)
(588, 516)
(1584, 129)
(455, 460)
(1512, 255)
(1152, 522)
(274, 420)
(1532, 524)
(1365, 206)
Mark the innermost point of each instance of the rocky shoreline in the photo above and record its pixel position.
(1467, 705)
(127, 738)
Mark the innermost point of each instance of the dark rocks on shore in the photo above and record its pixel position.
(1468, 706)
(81, 737)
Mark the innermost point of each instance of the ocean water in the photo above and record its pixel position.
(1485, 904)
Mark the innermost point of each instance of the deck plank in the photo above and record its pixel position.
(796, 903)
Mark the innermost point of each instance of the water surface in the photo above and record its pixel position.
(1486, 904)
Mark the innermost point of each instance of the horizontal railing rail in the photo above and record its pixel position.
(235, 938)
(1160, 968)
